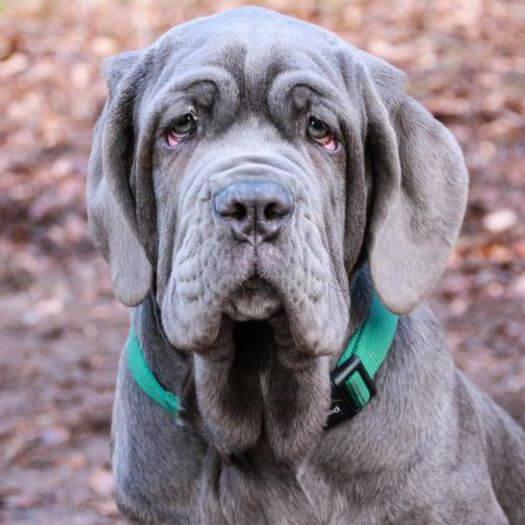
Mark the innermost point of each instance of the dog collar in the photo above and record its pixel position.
(145, 378)
(352, 380)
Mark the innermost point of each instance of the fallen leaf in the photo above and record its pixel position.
(500, 221)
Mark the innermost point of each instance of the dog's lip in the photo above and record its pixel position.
(255, 283)
(254, 299)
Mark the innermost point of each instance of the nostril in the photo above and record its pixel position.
(230, 208)
(237, 211)
(274, 210)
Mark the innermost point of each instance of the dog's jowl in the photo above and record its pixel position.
(275, 208)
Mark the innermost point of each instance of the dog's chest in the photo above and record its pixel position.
(228, 494)
(268, 495)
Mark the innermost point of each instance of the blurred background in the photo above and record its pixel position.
(61, 331)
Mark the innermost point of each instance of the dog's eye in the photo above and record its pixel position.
(319, 132)
(181, 129)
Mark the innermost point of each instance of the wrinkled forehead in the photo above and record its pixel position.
(252, 55)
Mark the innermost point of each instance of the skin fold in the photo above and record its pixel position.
(246, 325)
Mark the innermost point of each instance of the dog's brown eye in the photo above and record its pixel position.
(318, 131)
(181, 129)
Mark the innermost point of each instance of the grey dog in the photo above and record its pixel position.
(253, 181)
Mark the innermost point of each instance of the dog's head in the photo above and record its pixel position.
(249, 163)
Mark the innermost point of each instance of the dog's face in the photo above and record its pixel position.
(250, 162)
(249, 169)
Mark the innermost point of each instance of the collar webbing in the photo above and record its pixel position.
(352, 380)
(146, 379)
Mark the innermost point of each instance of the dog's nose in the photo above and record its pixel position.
(254, 209)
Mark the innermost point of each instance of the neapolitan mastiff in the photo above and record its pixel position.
(256, 185)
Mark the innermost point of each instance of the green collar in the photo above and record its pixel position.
(352, 380)
(145, 378)
(353, 383)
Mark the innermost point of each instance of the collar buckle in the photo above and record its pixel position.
(344, 405)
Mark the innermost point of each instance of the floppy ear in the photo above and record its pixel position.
(419, 184)
(110, 203)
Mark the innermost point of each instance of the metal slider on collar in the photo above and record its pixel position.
(344, 405)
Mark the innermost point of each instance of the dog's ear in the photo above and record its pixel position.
(419, 187)
(110, 202)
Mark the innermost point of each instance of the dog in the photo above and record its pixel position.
(256, 184)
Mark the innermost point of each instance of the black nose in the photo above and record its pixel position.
(255, 210)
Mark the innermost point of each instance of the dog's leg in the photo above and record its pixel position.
(156, 459)
(505, 453)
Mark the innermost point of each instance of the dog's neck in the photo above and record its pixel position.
(254, 389)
